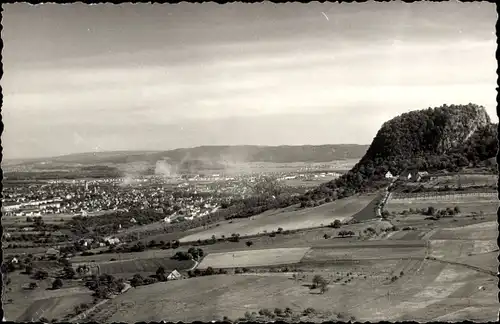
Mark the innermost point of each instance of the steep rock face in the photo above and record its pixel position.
(430, 131)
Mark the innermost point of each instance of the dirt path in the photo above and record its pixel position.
(89, 311)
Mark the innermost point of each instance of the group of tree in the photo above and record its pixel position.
(209, 271)
(138, 280)
(344, 233)
(192, 254)
(104, 286)
(319, 282)
(335, 224)
(431, 211)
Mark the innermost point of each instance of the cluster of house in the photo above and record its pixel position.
(191, 212)
(408, 175)
(80, 198)
(31, 208)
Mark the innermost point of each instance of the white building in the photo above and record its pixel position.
(111, 240)
(174, 275)
(389, 175)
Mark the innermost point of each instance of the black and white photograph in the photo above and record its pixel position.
(249, 162)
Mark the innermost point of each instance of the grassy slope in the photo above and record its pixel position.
(289, 218)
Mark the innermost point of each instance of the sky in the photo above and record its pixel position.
(84, 78)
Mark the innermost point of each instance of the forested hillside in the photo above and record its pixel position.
(447, 137)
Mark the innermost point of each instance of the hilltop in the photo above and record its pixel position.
(226, 153)
(442, 138)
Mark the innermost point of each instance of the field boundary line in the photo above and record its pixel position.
(464, 265)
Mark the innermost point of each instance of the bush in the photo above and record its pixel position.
(309, 311)
(28, 270)
(57, 284)
(249, 243)
(266, 312)
(41, 275)
(160, 273)
(137, 280)
(209, 271)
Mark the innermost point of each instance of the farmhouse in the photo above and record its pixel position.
(52, 252)
(111, 240)
(422, 174)
(412, 175)
(174, 275)
(405, 175)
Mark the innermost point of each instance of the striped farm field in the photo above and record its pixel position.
(467, 202)
(480, 231)
(290, 218)
(143, 265)
(451, 196)
(366, 253)
(124, 256)
(464, 180)
(253, 258)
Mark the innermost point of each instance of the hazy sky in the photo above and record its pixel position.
(81, 78)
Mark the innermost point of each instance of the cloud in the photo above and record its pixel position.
(203, 67)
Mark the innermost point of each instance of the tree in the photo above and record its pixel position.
(160, 273)
(318, 281)
(431, 211)
(249, 243)
(137, 280)
(336, 223)
(28, 270)
(33, 285)
(41, 275)
(69, 272)
(57, 284)
(323, 287)
(209, 271)
(456, 210)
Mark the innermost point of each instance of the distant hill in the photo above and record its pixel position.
(446, 137)
(191, 159)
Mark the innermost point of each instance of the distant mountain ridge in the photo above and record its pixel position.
(221, 154)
